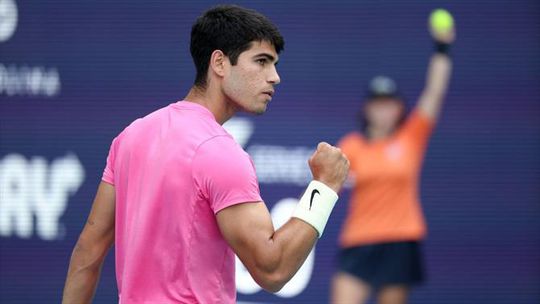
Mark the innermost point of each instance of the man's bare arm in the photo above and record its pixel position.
(91, 248)
(273, 256)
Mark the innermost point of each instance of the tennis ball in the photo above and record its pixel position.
(441, 21)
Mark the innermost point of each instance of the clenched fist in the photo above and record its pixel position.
(329, 166)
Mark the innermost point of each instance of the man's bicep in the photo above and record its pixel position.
(245, 226)
(99, 228)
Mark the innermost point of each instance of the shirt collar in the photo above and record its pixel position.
(189, 105)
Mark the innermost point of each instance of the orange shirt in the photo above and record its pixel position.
(384, 205)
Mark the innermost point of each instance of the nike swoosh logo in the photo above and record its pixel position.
(315, 191)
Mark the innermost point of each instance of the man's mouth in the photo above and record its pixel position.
(269, 93)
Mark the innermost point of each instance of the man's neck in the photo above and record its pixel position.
(214, 101)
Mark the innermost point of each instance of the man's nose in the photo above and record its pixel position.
(274, 76)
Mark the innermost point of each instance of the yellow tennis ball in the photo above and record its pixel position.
(441, 21)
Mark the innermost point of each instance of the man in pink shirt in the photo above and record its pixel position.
(179, 197)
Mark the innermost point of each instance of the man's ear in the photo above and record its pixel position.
(218, 61)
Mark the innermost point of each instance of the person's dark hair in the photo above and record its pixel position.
(231, 29)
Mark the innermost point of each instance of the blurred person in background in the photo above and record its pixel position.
(381, 238)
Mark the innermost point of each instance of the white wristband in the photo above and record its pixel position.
(316, 205)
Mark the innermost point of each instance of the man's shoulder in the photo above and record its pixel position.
(178, 123)
(147, 119)
(221, 143)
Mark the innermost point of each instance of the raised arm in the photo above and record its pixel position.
(91, 248)
(273, 256)
(438, 75)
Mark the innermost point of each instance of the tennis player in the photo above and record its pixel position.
(380, 241)
(179, 197)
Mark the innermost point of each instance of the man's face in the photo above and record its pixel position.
(250, 83)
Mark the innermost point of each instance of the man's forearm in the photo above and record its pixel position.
(287, 248)
(82, 278)
(283, 254)
(296, 239)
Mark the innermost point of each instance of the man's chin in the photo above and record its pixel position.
(258, 111)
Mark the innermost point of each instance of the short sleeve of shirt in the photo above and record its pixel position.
(224, 174)
(349, 145)
(108, 173)
(417, 128)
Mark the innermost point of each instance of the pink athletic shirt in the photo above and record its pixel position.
(173, 170)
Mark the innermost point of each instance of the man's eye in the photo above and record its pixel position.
(261, 61)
